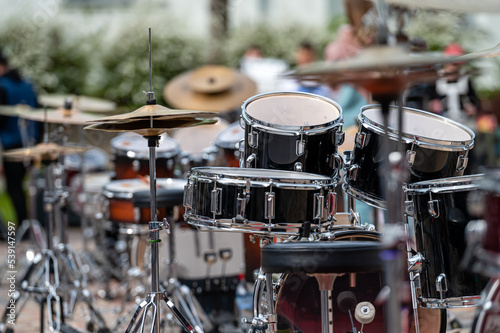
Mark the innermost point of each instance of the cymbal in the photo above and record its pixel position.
(59, 116)
(210, 88)
(150, 127)
(155, 111)
(84, 103)
(486, 6)
(14, 110)
(43, 151)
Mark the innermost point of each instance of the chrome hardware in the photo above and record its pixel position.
(269, 206)
(462, 162)
(352, 173)
(298, 167)
(136, 165)
(409, 208)
(360, 140)
(410, 154)
(188, 196)
(348, 157)
(433, 206)
(319, 203)
(415, 263)
(300, 144)
(332, 203)
(241, 205)
(253, 138)
(241, 149)
(339, 138)
(216, 201)
(249, 160)
(441, 285)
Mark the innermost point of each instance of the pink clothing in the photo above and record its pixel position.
(345, 46)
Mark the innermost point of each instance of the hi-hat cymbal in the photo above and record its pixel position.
(59, 116)
(150, 127)
(84, 103)
(42, 151)
(155, 111)
(209, 88)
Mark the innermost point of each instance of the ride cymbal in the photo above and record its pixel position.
(210, 88)
(43, 151)
(59, 116)
(84, 103)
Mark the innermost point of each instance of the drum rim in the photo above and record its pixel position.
(227, 144)
(313, 129)
(121, 195)
(314, 180)
(419, 140)
(445, 185)
(365, 197)
(143, 155)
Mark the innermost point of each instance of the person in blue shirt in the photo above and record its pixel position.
(15, 90)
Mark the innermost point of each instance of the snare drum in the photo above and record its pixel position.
(131, 156)
(292, 131)
(436, 147)
(259, 201)
(439, 211)
(119, 195)
(229, 141)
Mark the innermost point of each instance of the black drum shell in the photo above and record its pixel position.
(441, 240)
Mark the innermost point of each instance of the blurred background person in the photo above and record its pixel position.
(16, 90)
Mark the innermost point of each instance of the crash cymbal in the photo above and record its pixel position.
(83, 103)
(14, 110)
(209, 88)
(154, 111)
(59, 116)
(43, 151)
(150, 127)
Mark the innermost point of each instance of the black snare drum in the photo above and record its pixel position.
(439, 211)
(436, 147)
(131, 156)
(258, 201)
(292, 131)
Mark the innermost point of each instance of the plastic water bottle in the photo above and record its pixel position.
(244, 299)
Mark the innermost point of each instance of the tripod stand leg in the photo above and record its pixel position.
(143, 306)
(177, 314)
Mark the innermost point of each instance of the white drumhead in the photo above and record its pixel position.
(195, 140)
(421, 124)
(92, 182)
(132, 142)
(130, 186)
(292, 109)
(242, 173)
(230, 137)
(94, 159)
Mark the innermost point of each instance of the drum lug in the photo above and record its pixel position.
(136, 165)
(300, 146)
(297, 167)
(319, 203)
(348, 157)
(415, 263)
(332, 203)
(241, 149)
(352, 173)
(241, 204)
(409, 208)
(188, 196)
(336, 161)
(339, 138)
(360, 140)
(253, 138)
(216, 201)
(249, 160)
(441, 285)
(410, 157)
(269, 206)
(462, 162)
(433, 206)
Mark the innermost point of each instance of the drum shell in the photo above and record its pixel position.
(491, 190)
(441, 241)
(123, 211)
(291, 205)
(278, 150)
(129, 168)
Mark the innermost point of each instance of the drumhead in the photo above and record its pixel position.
(241, 175)
(446, 185)
(423, 125)
(136, 146)
(293, 109)
(125, 188)
(92, 182)
(230, 137)
(195, 141)
(94, 159)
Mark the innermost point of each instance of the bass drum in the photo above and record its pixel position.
(298, 303)
(487, 318)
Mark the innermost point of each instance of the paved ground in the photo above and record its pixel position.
(28, 320)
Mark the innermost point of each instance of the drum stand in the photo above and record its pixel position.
(43, 277)
(153, 299)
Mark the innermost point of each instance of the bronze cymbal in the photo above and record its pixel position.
(43, 151)
(84, 103)
(59, 116)
(150, 127)
(156, 112)
(14, 110)
(211, 88)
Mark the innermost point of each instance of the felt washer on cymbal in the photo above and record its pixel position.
(365, 312)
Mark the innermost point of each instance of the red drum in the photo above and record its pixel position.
(119, 195)
(491, 185)
(229, 141)
(131, 156)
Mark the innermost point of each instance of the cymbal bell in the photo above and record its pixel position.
(42, 151)
(150, 127)
(155, 111)
(210, 88)
(84, 103)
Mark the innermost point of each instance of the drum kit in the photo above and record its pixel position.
(321, 267)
